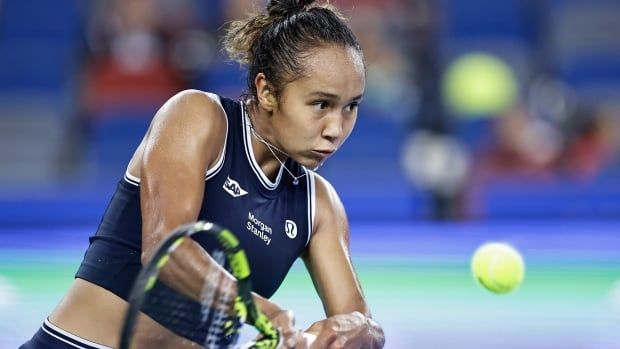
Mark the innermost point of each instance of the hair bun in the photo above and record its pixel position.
(287, 8)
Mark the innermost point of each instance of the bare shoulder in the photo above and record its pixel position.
(192, 119)
(330, 212)
(325, 192)
(192, 105)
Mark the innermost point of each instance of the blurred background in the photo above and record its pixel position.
(482, 120)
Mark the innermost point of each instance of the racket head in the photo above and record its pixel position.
(160, 316)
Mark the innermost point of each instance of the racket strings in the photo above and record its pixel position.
(217, 306)
(174, 320)
(202, 322)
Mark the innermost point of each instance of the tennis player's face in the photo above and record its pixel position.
(317, 112)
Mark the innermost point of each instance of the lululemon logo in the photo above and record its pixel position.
(290, 228)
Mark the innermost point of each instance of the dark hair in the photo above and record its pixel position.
(276, 41)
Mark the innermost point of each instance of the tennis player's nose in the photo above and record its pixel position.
(333, 130)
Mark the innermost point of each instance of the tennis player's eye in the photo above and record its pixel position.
(353, 106)
(321, 105)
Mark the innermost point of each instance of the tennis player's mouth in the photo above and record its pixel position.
(323, 152)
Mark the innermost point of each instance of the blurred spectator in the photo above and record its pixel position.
(593, 142)
(379, 27)
(129, 65)
(140, 53)
(519, 145)
(221, 75)
(527, 155)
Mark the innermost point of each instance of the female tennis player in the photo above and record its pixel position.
(245, 165)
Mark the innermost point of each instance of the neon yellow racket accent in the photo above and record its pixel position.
(239, 265)
(228, 239)
(240, 309)
(176, 244)
(244, 310)
(163, 261)
(265, 326)
(150, 283)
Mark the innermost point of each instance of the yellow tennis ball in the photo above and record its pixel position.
(479, 84)
(498, 267)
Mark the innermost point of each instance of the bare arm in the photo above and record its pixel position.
(185, 138)
(349, 323)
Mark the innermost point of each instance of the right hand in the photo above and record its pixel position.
(284, 320)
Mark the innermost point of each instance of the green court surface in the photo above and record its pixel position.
(424, 297)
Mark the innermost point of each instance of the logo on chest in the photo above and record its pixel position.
(290, 228)
(259, 228)
(233, 188)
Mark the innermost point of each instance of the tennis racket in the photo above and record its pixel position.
(214, 321)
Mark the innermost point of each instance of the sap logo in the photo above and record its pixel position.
(290, 228)
(233, 188)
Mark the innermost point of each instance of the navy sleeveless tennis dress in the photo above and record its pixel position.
(273, 221)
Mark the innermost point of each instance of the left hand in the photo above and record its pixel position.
(342, 331)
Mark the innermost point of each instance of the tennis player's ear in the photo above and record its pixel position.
(264, 93)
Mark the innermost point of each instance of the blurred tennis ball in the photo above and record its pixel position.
(479, 84)
(498, 267)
